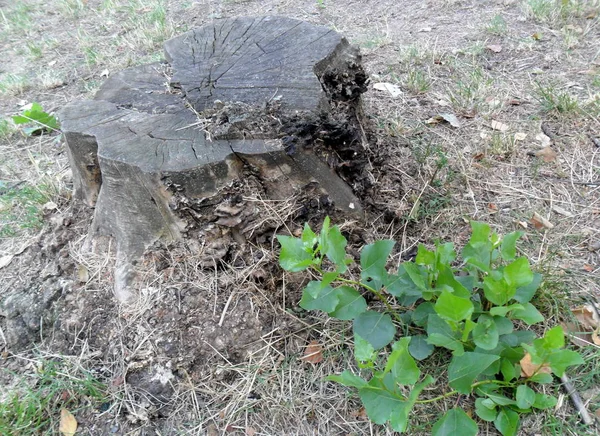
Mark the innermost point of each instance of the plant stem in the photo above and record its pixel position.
(473, 386)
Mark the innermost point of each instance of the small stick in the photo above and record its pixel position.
(576, 399)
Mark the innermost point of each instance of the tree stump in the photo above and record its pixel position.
(273, 94)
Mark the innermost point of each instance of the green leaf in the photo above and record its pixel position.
(478, 254)
(399, 417)
(439, 333)
(516, 338)
(508, 249)
(504, 325)
(485, 333)
(453, 308)
(377, 328)
(542, 378)
(373, 258)
(401, 286)
(318, 297)
(419, 348)
(464, 369)
(480, 232)
(445, 254)
(518, 273)
(507, 422)
(350, 304)
(543, 401)
(348, 379)
(508, 370)
(525, 293)
(33, 113)
(336, 250)
(401, 364)
(422, 312)
(525, 397)
(425, 256)
(560, 360)
(554, 338)
(483, 411)
(417, 276)
(498, 292)
(455, 422)
(379, 403)
(503, 310)
(529, 314)
(309, 238)
(446, 278)
(364, 353)
(293, 256)
(490, 391)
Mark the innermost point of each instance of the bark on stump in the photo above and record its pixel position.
(241, 92)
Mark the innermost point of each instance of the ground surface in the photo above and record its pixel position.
(214, 344)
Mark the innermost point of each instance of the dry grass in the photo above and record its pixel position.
(545, 79)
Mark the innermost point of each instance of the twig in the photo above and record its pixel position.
(576, 399)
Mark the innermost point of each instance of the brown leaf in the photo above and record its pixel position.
(313, 353)
(250, 431)
(547, 154)
(588, 268)
(528, 369)
(584, 330)
(495, 48)
(68, 423)
(537, 36)
(540, 223)
(492, 208)
(497, 125)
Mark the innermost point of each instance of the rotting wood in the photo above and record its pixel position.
(272, 94)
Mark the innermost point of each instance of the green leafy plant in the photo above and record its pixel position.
(37, 119)
(478, 313)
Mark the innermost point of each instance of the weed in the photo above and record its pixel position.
(13, 84)
(7, 129)
(468, 91)
(21, 207)
(33, 407)
(35, 51)
(497, 26)
(554, 100)
(417, 81)
(476, 312)
(38, 120)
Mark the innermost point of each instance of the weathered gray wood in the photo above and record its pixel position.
(265, 85)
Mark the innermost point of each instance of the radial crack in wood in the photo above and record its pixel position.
(272, 97)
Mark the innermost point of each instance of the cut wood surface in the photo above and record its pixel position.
(244, 92)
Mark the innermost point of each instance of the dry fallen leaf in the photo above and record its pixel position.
(528, 369)
(584, 330)
(559, 210)
(495, 48)
(492, 208)
(547, 154)
(393, 90)
(68, 423)
(520, 136)
(588, 268)
(6, 260)
(497, 125)
(83, 274)
(540, 223)
(451, 118)
(537, 36)
(313, 353)
(543, 139)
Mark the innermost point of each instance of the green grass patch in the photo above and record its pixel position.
(33, 408)
(21, 208)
